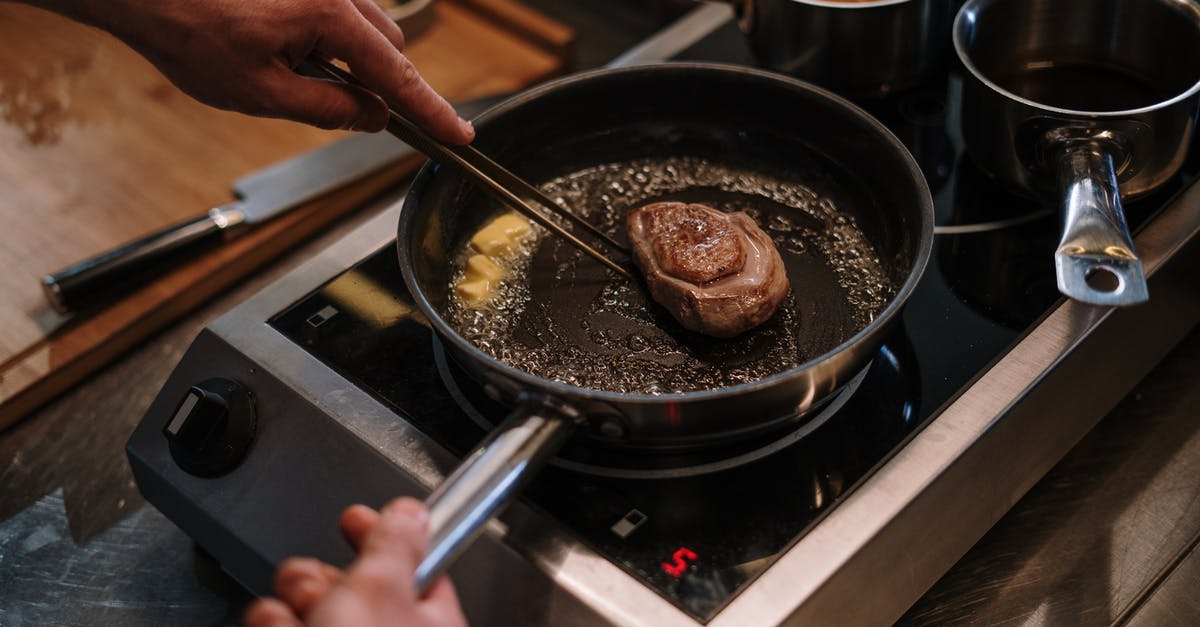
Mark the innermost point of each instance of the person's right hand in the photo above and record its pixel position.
(377, 589)
(240, 55)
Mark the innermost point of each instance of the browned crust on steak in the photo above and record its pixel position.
(741, 295)
(692, 242)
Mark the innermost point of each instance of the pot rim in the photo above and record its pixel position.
(969, 11)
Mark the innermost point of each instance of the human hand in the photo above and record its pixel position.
(377, 589)
(240, 55)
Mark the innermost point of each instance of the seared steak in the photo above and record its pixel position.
(717, 273)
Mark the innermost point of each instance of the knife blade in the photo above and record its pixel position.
(260, 196)
(292, 182)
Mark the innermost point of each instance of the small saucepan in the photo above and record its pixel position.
(827, 180)
(1094, 99)
(862, 49)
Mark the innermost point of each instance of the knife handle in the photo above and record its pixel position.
(97, 279)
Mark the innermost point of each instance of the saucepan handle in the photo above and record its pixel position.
(488, 478)
(1095, 262)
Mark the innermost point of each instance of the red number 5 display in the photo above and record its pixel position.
(679, 562)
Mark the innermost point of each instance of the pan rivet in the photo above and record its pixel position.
(612, 429)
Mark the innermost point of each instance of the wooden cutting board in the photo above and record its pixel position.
(98, 148)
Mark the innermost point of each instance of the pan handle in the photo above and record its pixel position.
(1096, 262)
(489, 477)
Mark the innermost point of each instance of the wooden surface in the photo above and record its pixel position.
(99, 148)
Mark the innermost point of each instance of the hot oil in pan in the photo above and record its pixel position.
(565, 317)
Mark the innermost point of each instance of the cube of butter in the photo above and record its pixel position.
(482, 267)
(473, 293)
(475, 286)
(501, 235)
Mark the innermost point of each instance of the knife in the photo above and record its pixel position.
(261, 196)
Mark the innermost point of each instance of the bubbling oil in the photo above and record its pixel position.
(562, 316)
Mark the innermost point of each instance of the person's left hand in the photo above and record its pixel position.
(377, 589)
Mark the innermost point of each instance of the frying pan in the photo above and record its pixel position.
(746, 118)
(1095, 100)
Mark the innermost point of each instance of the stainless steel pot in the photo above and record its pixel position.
(1096, 99)
(860, 49)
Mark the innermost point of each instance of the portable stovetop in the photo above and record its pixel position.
(338, 394)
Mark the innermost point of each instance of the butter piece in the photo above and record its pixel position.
(475, 286)
(482, 267)
(481, 274)
(474, 293)
(501, 235)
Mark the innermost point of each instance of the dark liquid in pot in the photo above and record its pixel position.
(566, 318)
(1081, 87)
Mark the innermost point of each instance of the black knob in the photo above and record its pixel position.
(211, 429)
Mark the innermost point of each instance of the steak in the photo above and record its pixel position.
(716, 273)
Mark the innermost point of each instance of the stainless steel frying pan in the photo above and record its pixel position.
(731, 115)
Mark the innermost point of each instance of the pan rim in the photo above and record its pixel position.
(924, 214)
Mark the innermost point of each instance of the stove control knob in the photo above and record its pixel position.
(210, 431)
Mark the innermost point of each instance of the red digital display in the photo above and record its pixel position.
(679, 561)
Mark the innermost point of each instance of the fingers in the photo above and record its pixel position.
(390, 552)
(407, 90)
(379, 19)
(359, 33)
(377, 588)
(356, 522)
(304, 582)
(381, 67)
(270, 613)
(322, 103)
(400, 534)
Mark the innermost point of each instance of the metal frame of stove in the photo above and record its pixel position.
(866, 562)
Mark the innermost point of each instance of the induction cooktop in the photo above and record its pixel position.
(986, 381)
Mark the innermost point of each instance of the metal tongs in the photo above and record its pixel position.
(505, 186)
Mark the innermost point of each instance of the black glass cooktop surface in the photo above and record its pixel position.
(697, 530)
